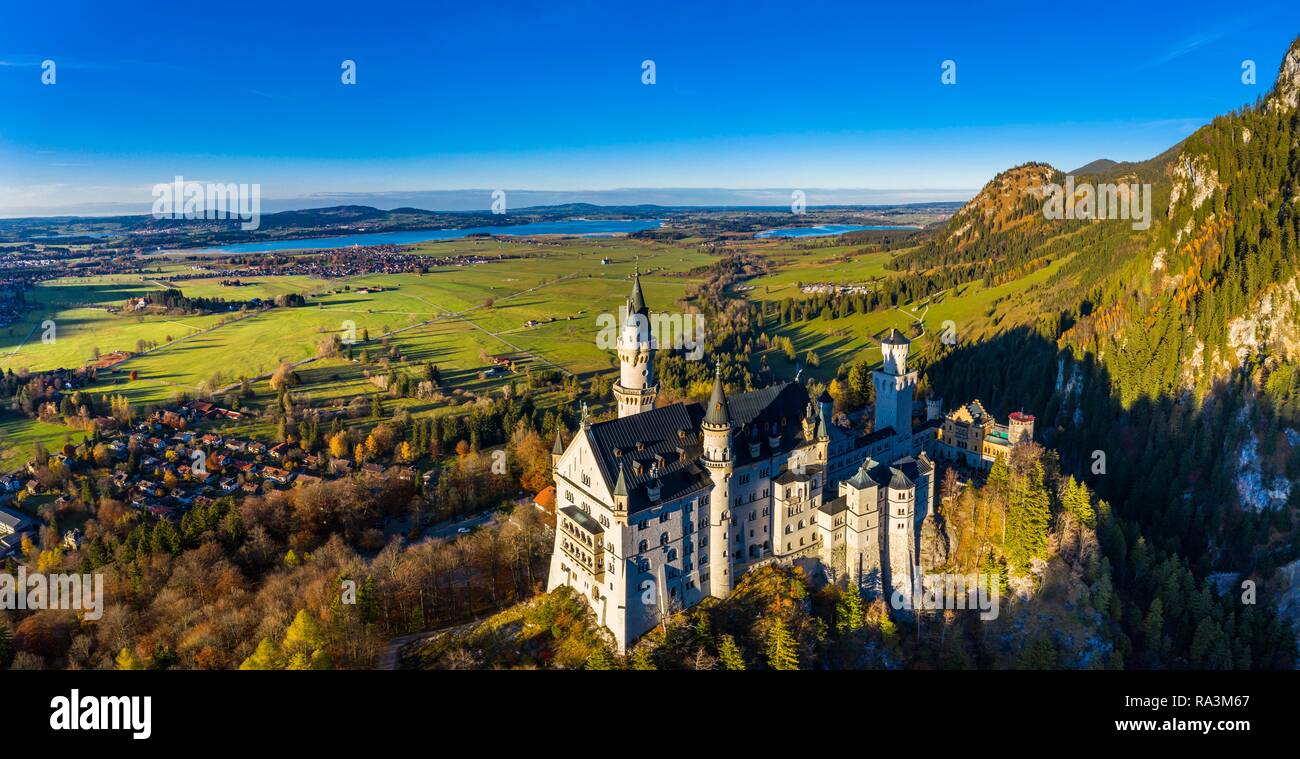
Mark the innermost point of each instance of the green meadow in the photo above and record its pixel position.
(18, 436)
(456, 316)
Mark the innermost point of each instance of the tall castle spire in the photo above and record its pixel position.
(715, 437)
(636, 387)
(636, 302)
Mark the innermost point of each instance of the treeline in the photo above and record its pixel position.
(176, 301)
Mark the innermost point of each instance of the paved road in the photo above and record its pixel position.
(450, 530)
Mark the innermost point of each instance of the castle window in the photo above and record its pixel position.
(604, 520)
(672, 554)
(663, 517)
(641, 526)
(663, 538)
(586, 479)
(640, 547)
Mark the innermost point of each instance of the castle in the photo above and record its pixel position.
(663, 507)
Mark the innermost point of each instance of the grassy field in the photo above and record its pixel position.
(18, 436)
(458, 317)
(969, 311)
(838, 264)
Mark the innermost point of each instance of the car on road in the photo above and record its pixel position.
(462, 530)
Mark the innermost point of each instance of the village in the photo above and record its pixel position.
(164, 467)
(329, 263)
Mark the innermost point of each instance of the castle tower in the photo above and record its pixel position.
(894, 387)
(900, 537)
(1020, 426)
(636, 388)
(862, 540)
(715, 433)
(933, 408)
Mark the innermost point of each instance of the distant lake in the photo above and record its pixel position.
(580, 227)
(825, 230)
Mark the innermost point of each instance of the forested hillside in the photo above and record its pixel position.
(1162, 362)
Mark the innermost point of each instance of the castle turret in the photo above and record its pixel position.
(900, 537)
(825, 411)
(557, 449)
(894, 387)
(862, 528)
(636, 387)
(933, 408)
(1020, 426)
(715, 433)
(621, 491)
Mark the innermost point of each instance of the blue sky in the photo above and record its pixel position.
(548, 95)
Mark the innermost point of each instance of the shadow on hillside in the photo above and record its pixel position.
(1170, 464)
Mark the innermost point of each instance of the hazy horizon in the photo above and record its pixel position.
(470, 200)
(621, 97)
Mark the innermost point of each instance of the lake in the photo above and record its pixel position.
(825, 230)
(579, 227)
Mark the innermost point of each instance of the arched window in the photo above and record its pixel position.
(663, 538)
(640, 547)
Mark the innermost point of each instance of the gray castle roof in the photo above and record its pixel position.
(901, 475)
(669, 438)
(718, 413)
(896, 338)
(636, 303)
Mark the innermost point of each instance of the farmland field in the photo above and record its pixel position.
(534, 301)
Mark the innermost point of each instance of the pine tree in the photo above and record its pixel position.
(729, 654)
(1028, 516)
(1040, 654)
(304, 643)
(1077, 502)
(642, 658)
(781, 653)
(600, 659)
(267, 656)
(848, 610)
